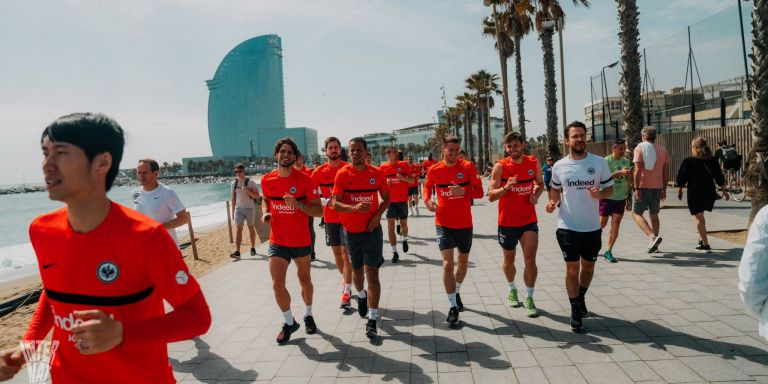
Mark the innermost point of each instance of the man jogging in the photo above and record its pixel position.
(413, 188)
(398, 177)
(579, 180)
(356, 192)
(290, 196)
(107, 270)
(456, 184)
(157, 200)
(613, 207)
(517, 183)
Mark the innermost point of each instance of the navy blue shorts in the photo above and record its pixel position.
(509, 236)
(450, 238)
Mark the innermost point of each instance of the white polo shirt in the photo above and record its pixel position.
(579, 211)
(160, 204)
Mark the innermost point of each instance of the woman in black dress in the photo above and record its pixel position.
(700, 173)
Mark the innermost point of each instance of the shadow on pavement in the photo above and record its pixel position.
(222, 366)
(694, 259)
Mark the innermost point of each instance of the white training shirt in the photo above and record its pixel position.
(242, 199)
(578, 210)
(160, 204)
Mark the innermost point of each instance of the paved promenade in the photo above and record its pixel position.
(673, 317)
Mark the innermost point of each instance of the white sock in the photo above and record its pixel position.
(405, 237)
(512, 286)
(394, 248)
(372, 313)
(308, 311)
(458, 287)
(452, 299)
(288, 317)
(361, 294)
(348, 288)
(528, 291)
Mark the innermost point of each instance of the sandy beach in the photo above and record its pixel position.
(213, 247)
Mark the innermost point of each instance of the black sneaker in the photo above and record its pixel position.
(583, 312)
(285, 333)
(395, 258)
(405, 246)
(459, 304)
(398, 229)
(322, 223)
(312, 257)
(703, 247)
(370, 329)
(235, 255)
(362, 306)
(575, 321)
(309, 324)
(253, 251)
(453, 315)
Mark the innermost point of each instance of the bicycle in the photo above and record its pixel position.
(735, 184)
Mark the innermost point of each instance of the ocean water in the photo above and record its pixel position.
(205, 202)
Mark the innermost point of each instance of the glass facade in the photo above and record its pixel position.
(306, 140)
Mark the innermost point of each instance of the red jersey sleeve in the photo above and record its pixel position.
(168, 271)
(429, 185)
(475, 182)
(339, 182)
(313, 190)
(383, 186)
(42, 320)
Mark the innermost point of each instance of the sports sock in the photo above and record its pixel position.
(512, 285)
(288, 317)
(458, 287)
(348, 288)
(528, 291)
(574, 303)
(582, 292)
(308, 311)
(452, 299)
(394, 248)
(372, 313)
(361, 294)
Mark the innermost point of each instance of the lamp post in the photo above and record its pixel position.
(605, 95)
(592, 105)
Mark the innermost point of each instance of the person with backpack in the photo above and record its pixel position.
(245, 198)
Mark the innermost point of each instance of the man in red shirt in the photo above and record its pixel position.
(300, 166)
(398, 177)
(290, 196)
(324, 176)
(426, 164)
(413, 188)
(516, 183)
(456, 183)
(106, 269)
(356, 192)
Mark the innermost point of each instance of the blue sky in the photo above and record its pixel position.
(350, 66)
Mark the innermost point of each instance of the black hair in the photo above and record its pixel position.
(289, 141)
(574, 124)
(360, 140)
(618, 141)
(94, 133)
(451, 139)
(513, 136)
(153, 165)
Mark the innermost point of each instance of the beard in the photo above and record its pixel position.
(287, 163)
(579, 151)
(334, 156)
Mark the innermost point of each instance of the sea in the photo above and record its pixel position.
(206, 204)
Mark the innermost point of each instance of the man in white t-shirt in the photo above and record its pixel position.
(245, 193)
(156, 200)
(577, 180)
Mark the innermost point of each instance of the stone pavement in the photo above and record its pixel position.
(673, 316)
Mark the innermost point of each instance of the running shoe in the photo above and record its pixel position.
(405, 246)
(362, 306)
(705, 248)
(253, 251)
(370, 329)
(345, 300)
(583, 312)
(395, 258)
(398, 229)
(512, 299)
(608, 255)
(653, 245)
(235, 255)
(459, 304)
(312, 256)
(322, 223)
(575, 321)
(309, 324)
(285, 333)
(453, 315)
(530, 307)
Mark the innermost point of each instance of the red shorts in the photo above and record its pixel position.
(609, 207)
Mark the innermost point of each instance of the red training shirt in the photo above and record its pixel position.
(453, 211)
(324, 176)
(125, 267)
(289, 225)
(415, 173)
(398, 189)
(515, 208)
(426, 164)
(356, 187)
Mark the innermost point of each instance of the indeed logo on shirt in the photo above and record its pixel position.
(362, 199)
(69, 322)
(283, 207)
(580, 184)
(522, 188)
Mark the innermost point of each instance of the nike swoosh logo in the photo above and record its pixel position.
(46, 266)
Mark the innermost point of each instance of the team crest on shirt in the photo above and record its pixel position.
(182, 277)
(293, 189)
(530, 172)
(372, 181)
(136, 196)
(460, 175)
(591, 170)
(398, 170)
(107, 272)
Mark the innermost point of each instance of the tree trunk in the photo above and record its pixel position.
(550, 93)
(631, 99)
(480, 152)
(505, 94)
(487, 145)
(470, 139)
(756, 172)
(519, 85)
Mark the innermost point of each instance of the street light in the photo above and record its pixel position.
(602, 74)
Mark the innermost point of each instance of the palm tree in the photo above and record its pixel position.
(631, 99)
(757, 161)
(483, 84)
(495, 27)
(466, 103)
(518, 25)
(548, 12)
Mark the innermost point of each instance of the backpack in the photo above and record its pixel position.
(730, 153)
(247, 179)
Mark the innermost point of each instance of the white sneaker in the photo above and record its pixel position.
(653, 245)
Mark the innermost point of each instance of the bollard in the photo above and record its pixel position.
(229, 224)
(192, 240)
